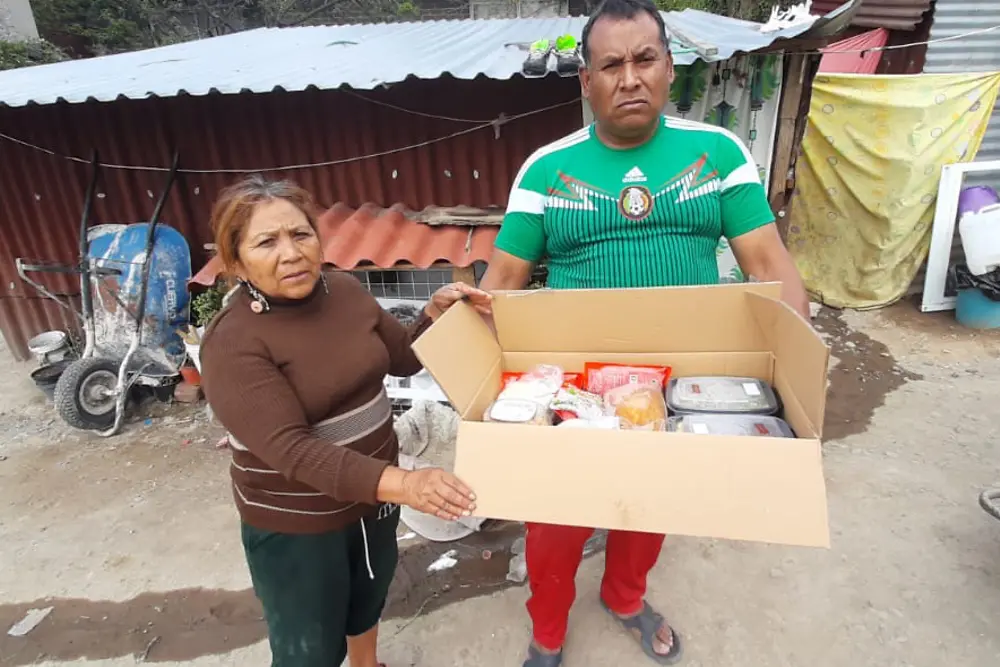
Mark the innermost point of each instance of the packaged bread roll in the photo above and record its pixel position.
(638, 407)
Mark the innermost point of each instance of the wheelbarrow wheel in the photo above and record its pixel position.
(989, 500)
(85, 393)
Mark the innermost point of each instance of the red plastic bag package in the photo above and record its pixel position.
(601, 378)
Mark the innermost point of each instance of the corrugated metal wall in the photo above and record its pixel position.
(41, 194)
(980, 53)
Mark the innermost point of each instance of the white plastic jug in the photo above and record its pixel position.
(980, 234)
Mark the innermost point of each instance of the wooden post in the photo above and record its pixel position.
(465, 275)
(784, 145)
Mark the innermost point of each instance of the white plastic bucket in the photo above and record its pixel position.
(980, 232)
(49, 347)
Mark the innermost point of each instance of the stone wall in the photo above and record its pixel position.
(16, 21)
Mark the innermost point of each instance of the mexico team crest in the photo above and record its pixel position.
(635, 202)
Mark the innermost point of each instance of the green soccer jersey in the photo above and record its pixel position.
(649, 216)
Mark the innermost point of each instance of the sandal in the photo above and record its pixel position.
(538, 659)
(648, 622)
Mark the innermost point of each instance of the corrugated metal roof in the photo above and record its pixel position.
(359, 56)
(387, 237)
(889, 14)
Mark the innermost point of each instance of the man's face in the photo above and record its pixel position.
(627, 80)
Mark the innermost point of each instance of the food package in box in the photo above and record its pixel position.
(721, 395)
(518, 411)
(638, 407)
(718, 424)
(527, 399)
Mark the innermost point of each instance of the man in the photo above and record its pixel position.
(636, 200)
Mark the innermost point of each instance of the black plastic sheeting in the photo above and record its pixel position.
(960, 278)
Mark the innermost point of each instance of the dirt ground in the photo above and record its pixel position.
(134, 541)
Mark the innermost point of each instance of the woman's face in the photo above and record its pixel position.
(279, 252)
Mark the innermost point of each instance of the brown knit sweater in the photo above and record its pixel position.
(270, 377)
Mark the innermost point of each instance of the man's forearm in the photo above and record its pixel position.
(504, 272)
(762, 255)
(793, 290)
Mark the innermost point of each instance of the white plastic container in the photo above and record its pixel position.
(749, 425)
(980, 234)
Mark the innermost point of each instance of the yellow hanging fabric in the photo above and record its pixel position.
(867, 179)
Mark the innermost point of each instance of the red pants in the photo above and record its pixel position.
(553, 555)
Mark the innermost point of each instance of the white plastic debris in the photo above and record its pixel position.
(517, 570)
(445, 561)
(787, 18)
(29, 622)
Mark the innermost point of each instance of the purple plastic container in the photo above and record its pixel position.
(972, 200)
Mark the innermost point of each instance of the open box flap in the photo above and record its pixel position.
(675, 319)
(460, 352)
(800, 354)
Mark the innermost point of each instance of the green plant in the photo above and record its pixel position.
(24, 54)
(205, 305)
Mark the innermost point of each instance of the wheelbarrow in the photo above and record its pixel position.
(133, 299)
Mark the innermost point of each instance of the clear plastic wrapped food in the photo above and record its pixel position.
(569, 379)
(573, 403)
(518, 411)
(721, 395)
(638, 407)
(719, 424)
(539, 385)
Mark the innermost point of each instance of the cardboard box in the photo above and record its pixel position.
(742, 488)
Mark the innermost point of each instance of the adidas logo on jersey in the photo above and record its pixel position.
(634, 175)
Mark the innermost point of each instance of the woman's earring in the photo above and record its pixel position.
(322, 278)
(258, 302)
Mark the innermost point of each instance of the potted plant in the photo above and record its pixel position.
(204, 307)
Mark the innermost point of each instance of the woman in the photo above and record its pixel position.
(293, 367)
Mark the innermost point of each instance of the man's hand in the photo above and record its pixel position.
(763, 255)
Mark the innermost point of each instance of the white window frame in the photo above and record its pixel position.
(943, 232)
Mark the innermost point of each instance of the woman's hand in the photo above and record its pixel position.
(449, 295)
(438, 492)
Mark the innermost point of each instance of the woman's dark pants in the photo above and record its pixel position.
(316, 589)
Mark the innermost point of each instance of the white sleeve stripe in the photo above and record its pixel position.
(742, 175)
(691, 125)
(526, 201)
(743, 147)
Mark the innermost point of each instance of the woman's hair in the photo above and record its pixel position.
(237, 203)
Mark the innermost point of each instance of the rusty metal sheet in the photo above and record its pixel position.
(889, 14)
(41, 194)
